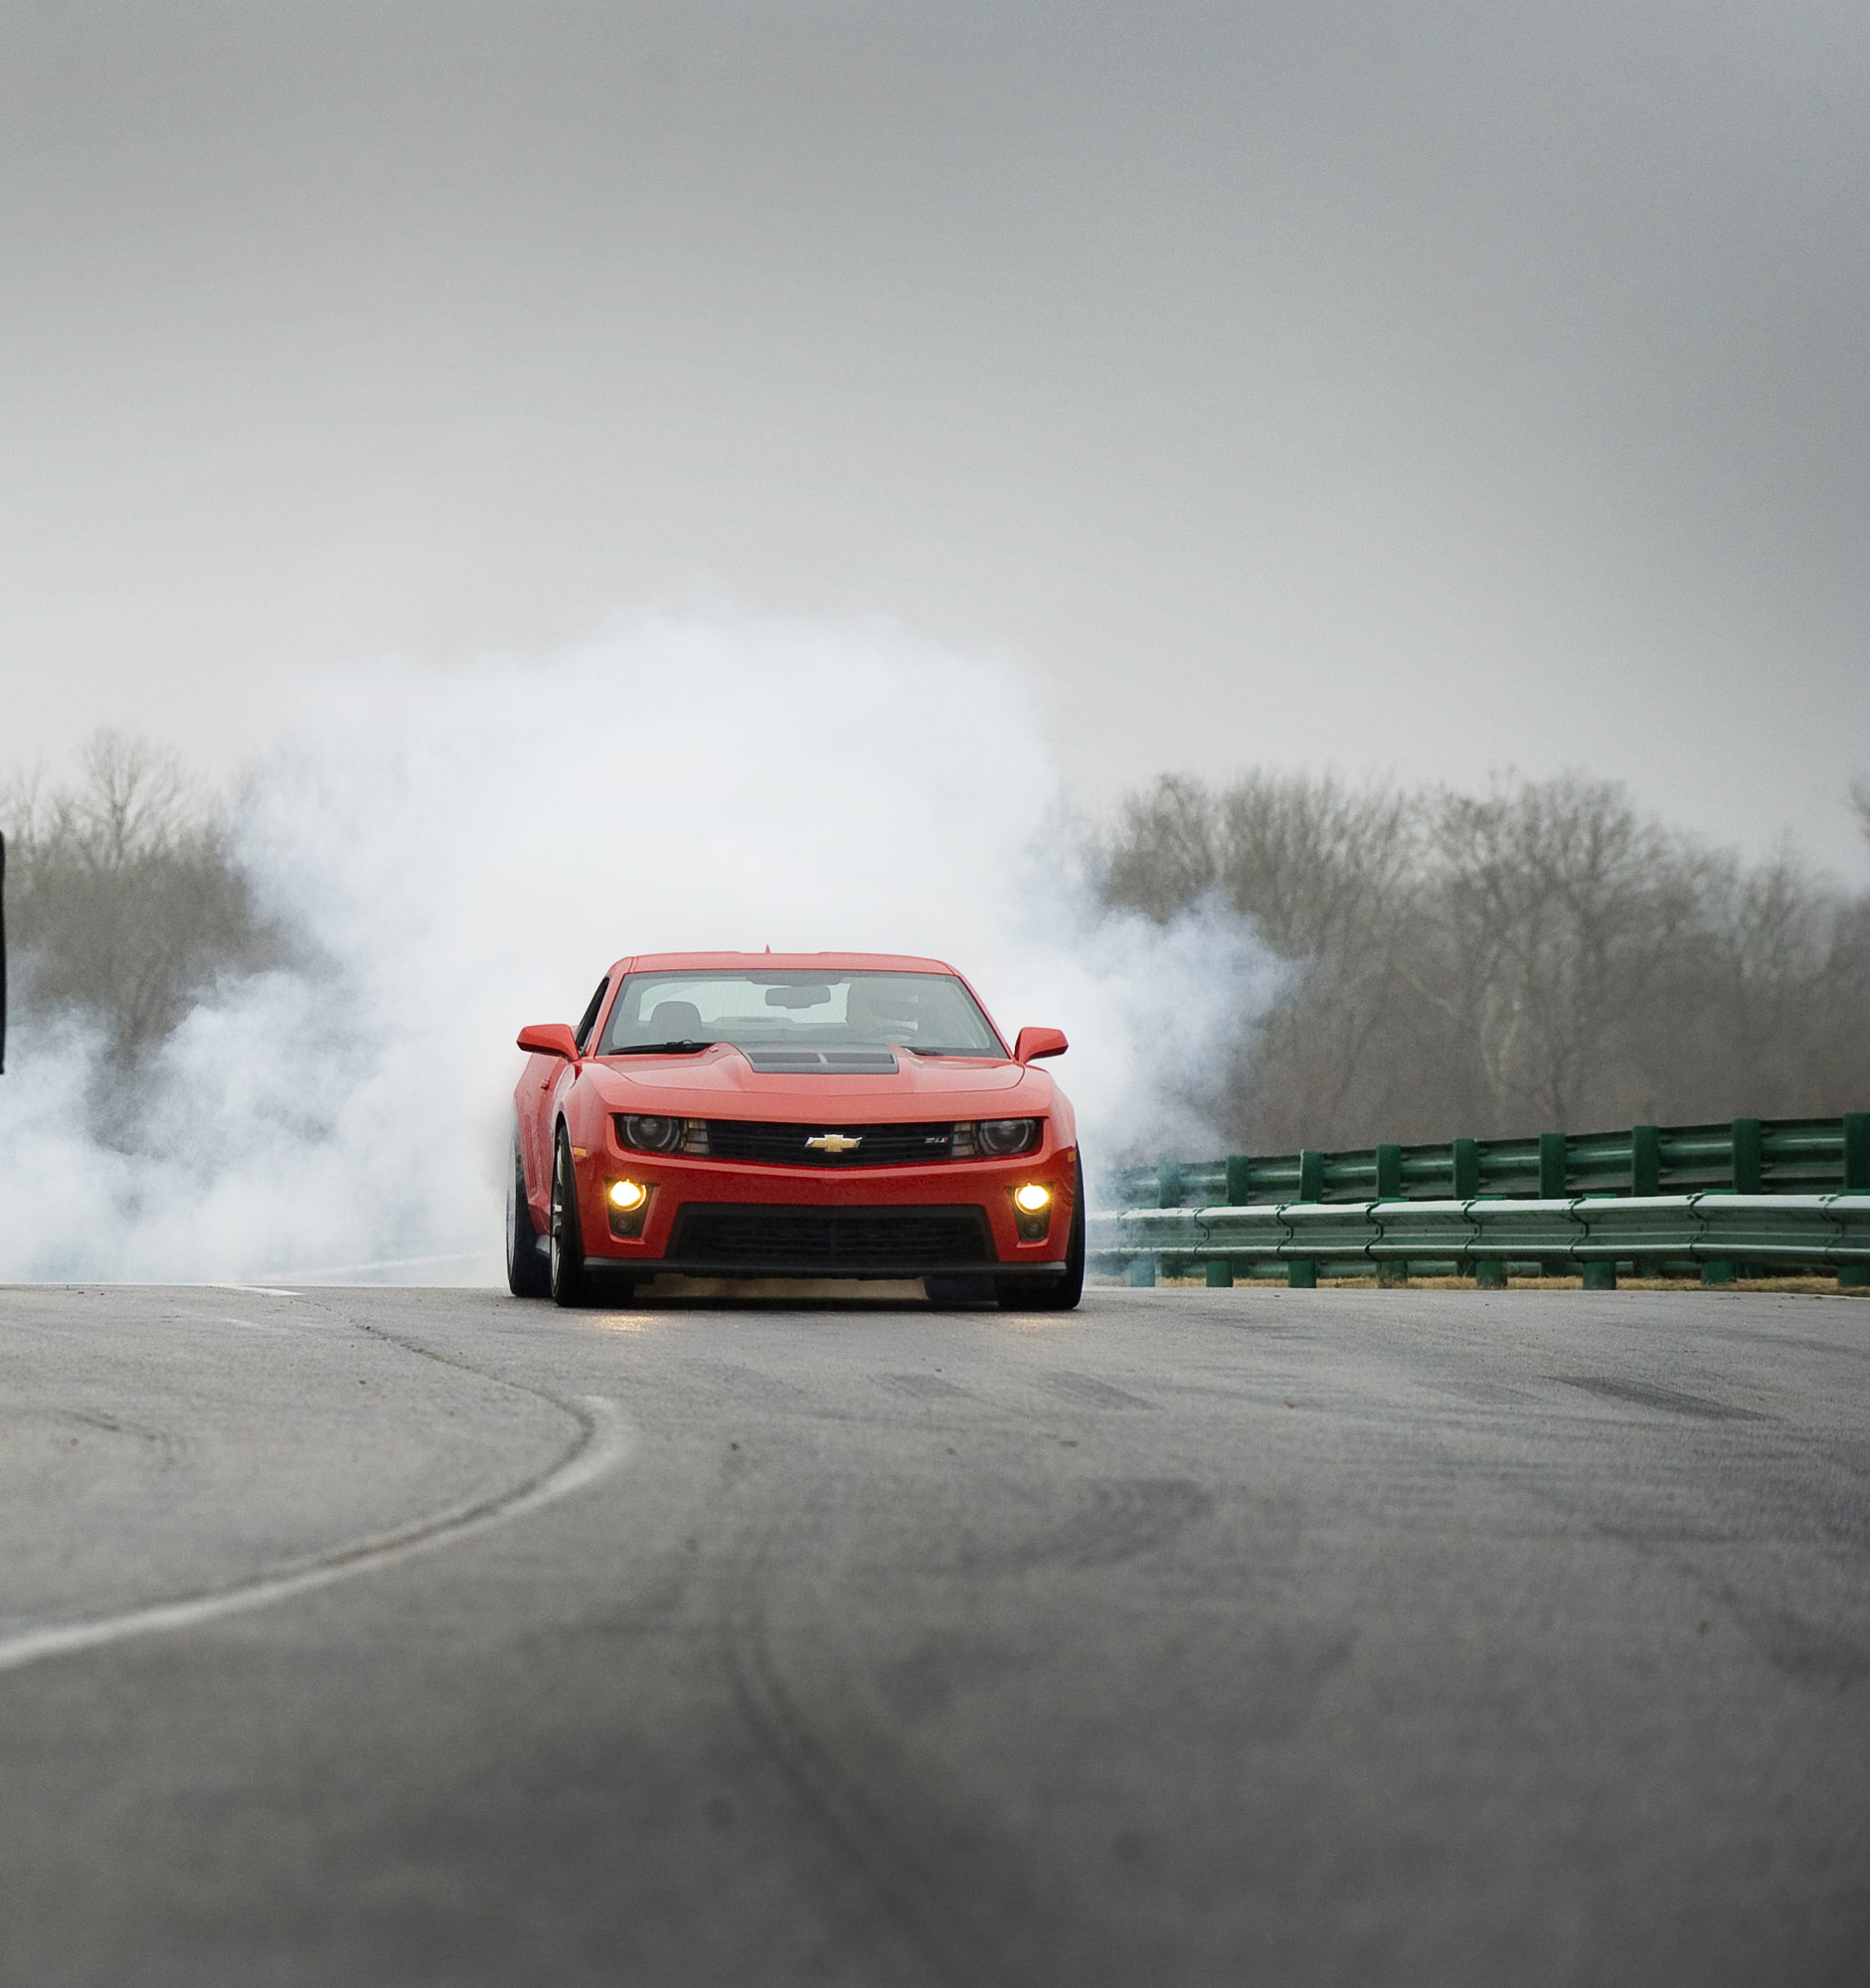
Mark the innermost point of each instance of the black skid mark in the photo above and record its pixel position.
(940, 1942)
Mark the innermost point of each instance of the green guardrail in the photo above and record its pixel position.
(1772, 1156)
(1721, 1235)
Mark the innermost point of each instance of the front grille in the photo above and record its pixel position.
(786, 1145)
(753, 1236)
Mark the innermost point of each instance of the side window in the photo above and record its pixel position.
(583, 1029)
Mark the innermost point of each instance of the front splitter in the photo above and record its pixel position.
(644, 1268)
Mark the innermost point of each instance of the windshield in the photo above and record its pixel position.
(928, 1013)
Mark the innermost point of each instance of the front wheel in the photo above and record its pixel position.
(1061, 1292)
(526, 1273)
(567, 1273)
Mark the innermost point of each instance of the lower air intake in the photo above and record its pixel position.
(754, 1236)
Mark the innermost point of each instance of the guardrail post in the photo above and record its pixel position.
(1856, 1152)
(1552, 1185)
(1645, 1160)
(1746, 1175)
(1600, 1275)
(1301, 1272)
(1392, 1273)
(1169, 1184)
(1464, 1158)
(1853, 1277)
(1220, 1273)
(1240, 1180)
(1490, 1272)
(1142, 1272)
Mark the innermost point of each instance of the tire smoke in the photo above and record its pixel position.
(461, 852)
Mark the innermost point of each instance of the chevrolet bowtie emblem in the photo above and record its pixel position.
(834, 1142)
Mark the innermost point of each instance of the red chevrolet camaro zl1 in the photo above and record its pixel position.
(727, 1114)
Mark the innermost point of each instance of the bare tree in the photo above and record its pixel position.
(126, 901)
(1561, 905)
(1539, 957)
(1328, 874)
(1163, 852)
(136, 804)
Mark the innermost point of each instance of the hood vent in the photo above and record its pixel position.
(822, 1063)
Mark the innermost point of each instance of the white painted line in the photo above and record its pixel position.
(259, 1290)
(604, 1447)
(344, 1272)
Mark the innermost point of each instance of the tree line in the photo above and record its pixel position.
(1542, 958)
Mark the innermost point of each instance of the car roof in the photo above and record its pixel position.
(779, 962)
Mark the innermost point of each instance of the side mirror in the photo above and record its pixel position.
(554, 1039)
(1036, 1043)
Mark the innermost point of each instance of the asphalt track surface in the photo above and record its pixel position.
(356, 1638)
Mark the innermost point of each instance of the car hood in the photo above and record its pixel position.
(720, 1083)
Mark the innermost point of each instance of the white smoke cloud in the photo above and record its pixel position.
(465, 852)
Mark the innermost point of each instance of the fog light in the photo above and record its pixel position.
(1032, 1211)
(628, 1208)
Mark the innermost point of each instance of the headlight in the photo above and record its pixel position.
(1002, 1137)
(653, 1135)
(1029, 1199)
(628, 1194)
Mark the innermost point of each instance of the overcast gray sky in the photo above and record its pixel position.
(1426, 387)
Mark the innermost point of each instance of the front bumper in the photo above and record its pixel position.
(724, 1218)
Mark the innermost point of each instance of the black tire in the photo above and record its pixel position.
(1060, 1292)
(526, 1273)
(569, 1283)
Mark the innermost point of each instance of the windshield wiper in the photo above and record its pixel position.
(686, 1046)
(914, 1050)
